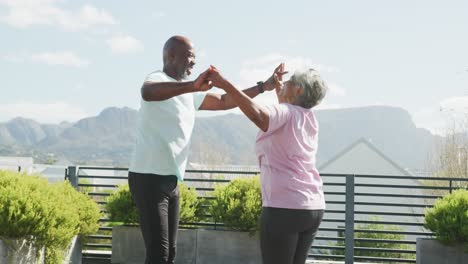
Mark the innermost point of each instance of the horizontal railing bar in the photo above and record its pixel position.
(393, 204)
(223, 172)
(99, 237)
(205, 180)
(204, 189)
(410, 177)
(99, 194)
(334, 193)
(329, 247)
(420, 233)
(333, 220)
(398, 195)
(94, 245)
(387, 213)
(335, 202)
(403, 186)
(334, 184)
(388, 223)
(335, 211)
(386, 260)
(407, 251)
(326, 256)
(101, 168)
(103, 177)
(98, 185)
(386, 241)
(328, 238)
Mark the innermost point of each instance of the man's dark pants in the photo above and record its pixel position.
(157, 200)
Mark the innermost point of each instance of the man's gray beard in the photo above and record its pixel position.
(183, 76)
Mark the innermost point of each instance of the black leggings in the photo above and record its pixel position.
(157, 200)
(287, 234)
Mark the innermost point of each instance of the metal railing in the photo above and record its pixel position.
(370, 218)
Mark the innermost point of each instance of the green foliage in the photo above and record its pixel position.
(239, 204)
(378, 244)
(85, 189)
(188, 203)
(47, 215)
(121, 207)
(448, 219)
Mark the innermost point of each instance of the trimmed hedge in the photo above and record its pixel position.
(238, 204)
(46, 215)
(448, 219)
(121, 207)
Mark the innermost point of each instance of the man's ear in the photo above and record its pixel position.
(171, 56)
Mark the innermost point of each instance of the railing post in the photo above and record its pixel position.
(72, 175)
(349, 220)
(450, 186)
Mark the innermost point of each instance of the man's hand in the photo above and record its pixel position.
(217, 79)
(202, 83)
(276, 79)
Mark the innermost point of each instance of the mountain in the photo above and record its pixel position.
(107, 139)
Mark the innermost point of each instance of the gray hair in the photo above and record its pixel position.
(314, 87)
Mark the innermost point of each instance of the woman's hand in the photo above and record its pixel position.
(276, 79)
(202, 84)
(217, 79)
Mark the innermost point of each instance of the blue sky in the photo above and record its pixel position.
(64, 60)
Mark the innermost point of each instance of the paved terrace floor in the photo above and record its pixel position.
(107, 261)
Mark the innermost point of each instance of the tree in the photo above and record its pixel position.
(450, 158)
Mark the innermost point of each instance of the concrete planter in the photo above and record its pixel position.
(18, 251)
(227, 247)
(74, 254)
(195, 246)
(430, 251)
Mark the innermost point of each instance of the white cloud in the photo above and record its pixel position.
(44, 113)
(456, 104)
(158, 14)
(15, 58)
(444, 116)
(336, 89)
(125, 44)
(65, 58)
(27, 13)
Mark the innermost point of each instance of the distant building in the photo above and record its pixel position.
(363, 158)
(22, 164)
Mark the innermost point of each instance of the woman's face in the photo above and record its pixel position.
(289, 91)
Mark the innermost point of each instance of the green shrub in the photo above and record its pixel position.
(448, 219)
(188, 204)
(239, 204)
(378, 244)
(46, 215)
(122, 209)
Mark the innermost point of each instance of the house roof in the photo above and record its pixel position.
(347, 153)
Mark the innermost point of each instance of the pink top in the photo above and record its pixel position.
(286, 156)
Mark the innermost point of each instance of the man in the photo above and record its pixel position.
(166, 120)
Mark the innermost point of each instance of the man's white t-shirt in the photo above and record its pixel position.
(164, 132)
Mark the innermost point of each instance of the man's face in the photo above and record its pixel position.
(184, 62)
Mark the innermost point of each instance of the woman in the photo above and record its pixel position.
(292, 197)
